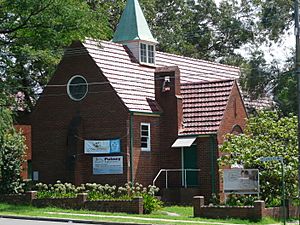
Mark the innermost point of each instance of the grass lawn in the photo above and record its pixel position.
(184, 214)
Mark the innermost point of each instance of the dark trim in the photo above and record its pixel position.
(131, 148)
(212, 163)
(147, 113)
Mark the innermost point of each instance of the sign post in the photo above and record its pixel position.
(279, 158)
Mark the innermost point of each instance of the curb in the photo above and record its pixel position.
(67, 220)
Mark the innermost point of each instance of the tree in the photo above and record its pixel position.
(12, 149)
(200, 29)
(285, 92)
(33, 35)
(265, 135)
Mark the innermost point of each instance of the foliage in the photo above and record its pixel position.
(215, 199)
(12, 149)
(58, 190)
(151, 203)
(102, 192)
(241, 200)
(33, 35)
(285, 92)
(203, 29)
(265, 135)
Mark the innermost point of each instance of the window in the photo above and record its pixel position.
(236, 129)
(77, 88)
(147, 53)
(150, 54)
(145, 137)
(143, 53)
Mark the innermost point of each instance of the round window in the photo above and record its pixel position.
(77, 88)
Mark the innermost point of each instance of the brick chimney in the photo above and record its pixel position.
(168, 96)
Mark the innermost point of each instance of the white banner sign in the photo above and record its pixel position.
(101, 146)
(243, 181)
(108, 165)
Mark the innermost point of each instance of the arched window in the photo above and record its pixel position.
(236, 129)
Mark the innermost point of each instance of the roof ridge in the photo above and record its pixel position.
(97, 41)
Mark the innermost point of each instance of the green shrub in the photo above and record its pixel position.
(151, 203)
(241, 200)
(101, 192)
(58, 190)
(12, 148)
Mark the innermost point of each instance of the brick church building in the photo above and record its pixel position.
(118, 111)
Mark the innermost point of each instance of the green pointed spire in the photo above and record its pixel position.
(133, 25)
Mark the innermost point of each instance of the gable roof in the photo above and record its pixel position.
(204, 104)
(133, 25)
(134, 83)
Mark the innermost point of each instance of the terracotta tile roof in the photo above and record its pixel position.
(258, 104)
(134, 83)
(193, 70)
(204, 104)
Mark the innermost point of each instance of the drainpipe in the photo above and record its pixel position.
(131, 148)
(212, 163)
(182, 168)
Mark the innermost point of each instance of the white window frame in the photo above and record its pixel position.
(153, 54)
(69, 84)
(141, 55)
(148, 148)
(147, 53)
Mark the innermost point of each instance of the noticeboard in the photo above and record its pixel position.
(108, 165)
(241, 181)
(102, 146)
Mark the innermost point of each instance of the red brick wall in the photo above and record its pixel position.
(80, 202)
(146, 163)
(170, 122)
(103, 116)
(234, 115)
(256, 212)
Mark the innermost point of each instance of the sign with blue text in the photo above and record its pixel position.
(102, 146)
(108, 165)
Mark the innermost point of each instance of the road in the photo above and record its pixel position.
(4, 221)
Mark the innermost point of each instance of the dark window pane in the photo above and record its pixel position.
(145, 133)
(77, 88)
(144, 145)
(143, 53)
(144, 127)
(144, 139)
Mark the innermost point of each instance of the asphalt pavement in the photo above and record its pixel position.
(12, 221)
(4, 221)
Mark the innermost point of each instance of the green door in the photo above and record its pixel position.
(190, 162)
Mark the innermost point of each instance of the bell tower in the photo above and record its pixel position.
(133, 31)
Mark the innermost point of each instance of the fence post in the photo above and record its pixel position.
(138, 205)
(198, 202)
(259, 210)
(30, 196)
(82, 198)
